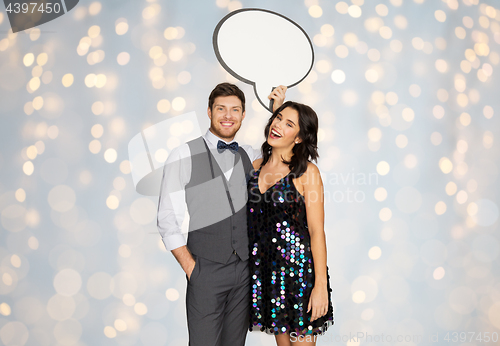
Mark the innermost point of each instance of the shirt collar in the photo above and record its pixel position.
(213, 139)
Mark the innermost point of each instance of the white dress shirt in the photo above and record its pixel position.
(172, 206)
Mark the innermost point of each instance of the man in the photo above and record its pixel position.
(208, 175)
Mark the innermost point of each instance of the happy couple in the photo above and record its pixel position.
(255, 257)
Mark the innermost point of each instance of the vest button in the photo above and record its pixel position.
(234, 241)
(234, 227)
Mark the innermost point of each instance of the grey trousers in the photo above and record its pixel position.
(218, 302)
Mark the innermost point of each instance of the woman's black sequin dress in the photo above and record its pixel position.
(281, 265)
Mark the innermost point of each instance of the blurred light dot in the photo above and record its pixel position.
(382, 10)
(451, 188)
(125, 252)
(465, 66)
(441, 65)
(417, 43)
(440, 43)
(373, 24)
(123, 58)
(442, 95)
(109, 332)
(172, 294)
(67, 282)
(28, 108)
(97, 131)
(374, 134)
(33, 243)
(440, 208)
(110, 155)
(354, 11)
(465, 119)
(380, 194)
(408, 114)
(391, 98)
(90, 80)
(67, 80)
(462, 197)
(34, 83)
(440, 16)
(371, 75)
(97, 108)
(178, 103)
(385, 32)
(53, 132)
(470, 55)
(120, 325)
(415, 90)
(28, 59)
(42, 59)
(119, 183)
(438, 273)
(323, 66)
(175, 54)
(385, 214)
(61, 198)
(94, 31)
(155, 52)
(95, 146)
(351, 39)
(95, 8)
(338, 76)
(184, 77)
(383, 168)
(100, 80)
(341, 51)
(38, 103)
(112, 202)
(327, 30)
(5, 309)
(125, 167)
(315, 11)
(446, 165)
(378, 97)
(460, 32)
(170, 33)
(484, 22)
(488, 112)
(374, 253)
(121, 27)
(401, 141)
(396, 46)
(436, 138)
(163, 106)
(342, 7)
(28, 168)
(438, 111)
(400, 21)
(161, 155)
(140, 309)
(374, 55)
(20, 195)
(462, 100)
(358, 297)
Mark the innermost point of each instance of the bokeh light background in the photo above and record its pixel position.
(408, 97)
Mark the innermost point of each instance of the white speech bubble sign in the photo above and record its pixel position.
(264, 49)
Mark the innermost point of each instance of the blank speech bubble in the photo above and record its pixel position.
(264, 49)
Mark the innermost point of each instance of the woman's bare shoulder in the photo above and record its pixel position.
(256, 164)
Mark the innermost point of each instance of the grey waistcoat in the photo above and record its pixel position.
(217, 218)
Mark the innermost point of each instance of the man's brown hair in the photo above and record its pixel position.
(226, 89)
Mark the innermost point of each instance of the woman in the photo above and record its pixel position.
(290, 291)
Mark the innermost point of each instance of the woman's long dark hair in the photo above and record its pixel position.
(304, 151)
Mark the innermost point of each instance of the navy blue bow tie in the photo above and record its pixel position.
(221, 146)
